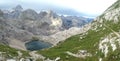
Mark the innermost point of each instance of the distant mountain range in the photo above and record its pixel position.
(21, 25)
(58, 9)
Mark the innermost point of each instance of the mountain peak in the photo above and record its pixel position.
(18, 8)
(29, 14)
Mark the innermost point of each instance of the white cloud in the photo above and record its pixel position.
(7, 1)
(87, 6)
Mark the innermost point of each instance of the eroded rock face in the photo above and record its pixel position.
(62, 35)
(73, 21)
(28, 14)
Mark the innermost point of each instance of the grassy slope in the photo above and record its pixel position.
(89, 43)
(11, 52)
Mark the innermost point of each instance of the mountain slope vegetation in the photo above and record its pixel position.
(100, 43)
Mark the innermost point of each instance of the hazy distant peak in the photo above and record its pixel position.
(18, 8)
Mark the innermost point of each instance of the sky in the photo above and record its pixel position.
(89, 7)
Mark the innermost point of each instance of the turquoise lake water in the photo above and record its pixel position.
(37, 45)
